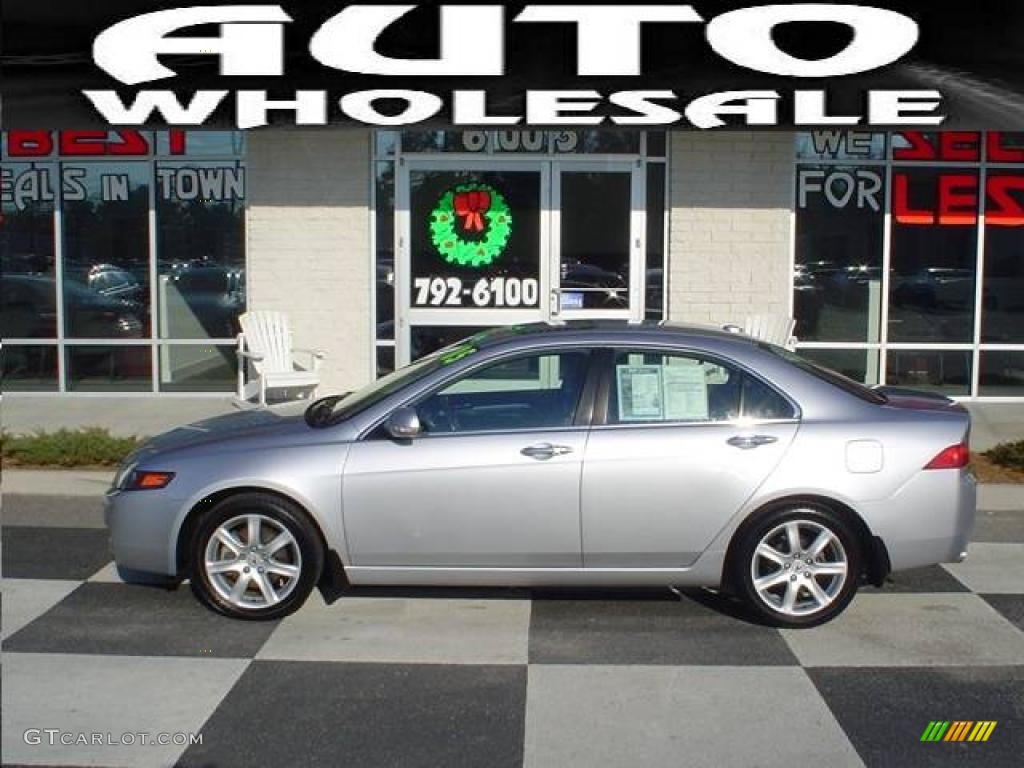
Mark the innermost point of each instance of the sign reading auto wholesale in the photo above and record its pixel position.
(352, 43)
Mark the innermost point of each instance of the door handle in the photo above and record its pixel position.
(543, 451)
(746, 442)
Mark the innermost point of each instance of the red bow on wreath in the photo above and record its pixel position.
(471, 206)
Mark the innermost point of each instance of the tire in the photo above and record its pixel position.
(267, 583)
(790, 592)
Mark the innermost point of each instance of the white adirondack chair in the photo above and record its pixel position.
(265, 347)
(775, 329)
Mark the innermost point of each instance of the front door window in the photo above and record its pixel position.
(532, 392)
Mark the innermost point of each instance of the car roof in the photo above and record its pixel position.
(600, 330)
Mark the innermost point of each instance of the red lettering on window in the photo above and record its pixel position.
(131, 143)
(920, 148)
(29, 143)
(79, 143)
(999, 153)
(901, 203)
(1004, 210)
(958, 200)
(176, 140)
(960, 146)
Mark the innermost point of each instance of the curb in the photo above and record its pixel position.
(56, 482)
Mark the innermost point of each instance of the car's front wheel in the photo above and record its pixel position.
(255, 556)
(798, 566)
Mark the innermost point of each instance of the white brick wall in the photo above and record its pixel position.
(729, 225)
(307, 234)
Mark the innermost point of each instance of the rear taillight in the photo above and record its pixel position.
(954, 457)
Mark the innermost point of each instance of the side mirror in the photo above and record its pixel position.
(403, 424)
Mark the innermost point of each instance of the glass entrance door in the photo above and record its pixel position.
(597, 231)
(499, 242)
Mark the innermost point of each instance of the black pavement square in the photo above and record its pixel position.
(885, 711)
(1011, 607)
(695, 629)
(128, 620)
(74, 554)
(933, 578)
(367, 715)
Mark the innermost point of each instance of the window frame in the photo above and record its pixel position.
(603, 400)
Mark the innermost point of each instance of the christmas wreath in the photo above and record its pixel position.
(471, 225)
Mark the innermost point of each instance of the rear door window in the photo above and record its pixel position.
(658, 387)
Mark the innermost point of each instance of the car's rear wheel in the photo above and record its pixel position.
(798, 566)
(255, 556)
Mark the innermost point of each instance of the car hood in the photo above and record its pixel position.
(252, 424)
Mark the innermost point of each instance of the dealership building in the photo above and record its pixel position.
(128, 256)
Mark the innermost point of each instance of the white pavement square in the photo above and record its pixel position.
(415, 630)
(137, 694)
(25, 600)
(627, 716)
(908, 630)
(992, 568)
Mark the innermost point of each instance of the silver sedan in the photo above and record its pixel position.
(583, 454)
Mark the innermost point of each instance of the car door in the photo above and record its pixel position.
(493, 480)
(682, 441)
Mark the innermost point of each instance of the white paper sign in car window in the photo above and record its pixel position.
(686, 390)
(639, 392)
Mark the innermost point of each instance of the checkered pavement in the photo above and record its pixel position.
(509, 677)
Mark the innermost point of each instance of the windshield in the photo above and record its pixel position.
(331, 410)
(825, 374)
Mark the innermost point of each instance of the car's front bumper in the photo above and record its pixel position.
(929, 520)
(143, 528)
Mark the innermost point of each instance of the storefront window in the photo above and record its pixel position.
(106, 250)
(931, 189)
(839, 231)
(857, 364)
(200, 249)
(197, 368)
(101, 317)
(948, 372)
(1002, 311)
(934, 254)
(28, 293)
(29, 368)
(110, 368)
(1002, 374)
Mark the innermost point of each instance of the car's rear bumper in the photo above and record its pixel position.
(142, 530)
(929, 520)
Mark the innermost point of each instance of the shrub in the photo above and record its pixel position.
(1009, 455)
(88, 447)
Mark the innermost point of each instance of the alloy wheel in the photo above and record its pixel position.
(799, 568)
(253, 561)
